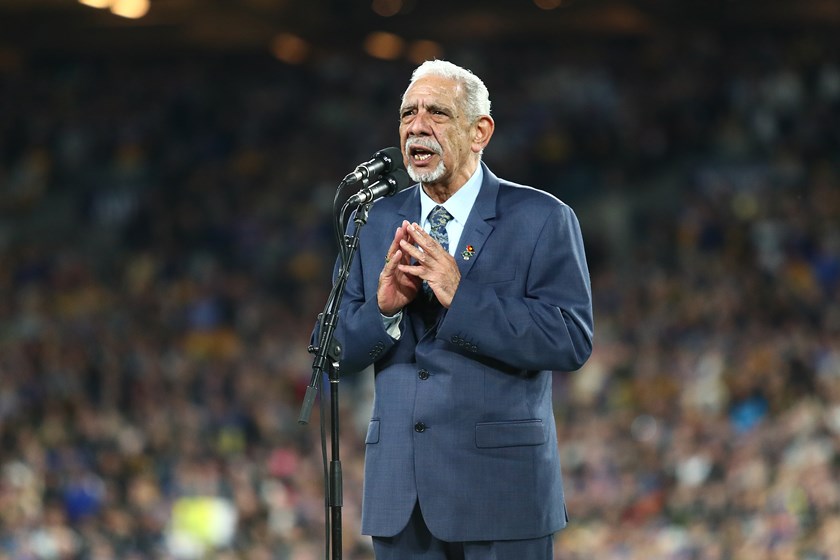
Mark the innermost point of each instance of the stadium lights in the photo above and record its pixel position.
(384, 45)
(97, 3)
(289, 48)
(386, 8)
(132, 9)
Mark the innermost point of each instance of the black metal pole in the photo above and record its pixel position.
(336, 478)
(329, 352)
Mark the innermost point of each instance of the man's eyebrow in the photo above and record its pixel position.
(429, 107)
(439, 107)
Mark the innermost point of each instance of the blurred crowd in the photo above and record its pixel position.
(166, 243)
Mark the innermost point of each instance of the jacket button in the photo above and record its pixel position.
(420, 427)
(423, 374)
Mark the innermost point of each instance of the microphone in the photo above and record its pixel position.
(383, 162)
(389, 185)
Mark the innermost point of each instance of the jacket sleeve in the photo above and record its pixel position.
(360, 330)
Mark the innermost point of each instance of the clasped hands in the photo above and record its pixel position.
(415, 256)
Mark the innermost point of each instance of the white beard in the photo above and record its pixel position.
(427, 176)
(435, 174)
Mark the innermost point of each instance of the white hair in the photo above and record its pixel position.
(476, 96)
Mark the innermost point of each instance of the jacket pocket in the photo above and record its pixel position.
(373, 432)
(510, 434)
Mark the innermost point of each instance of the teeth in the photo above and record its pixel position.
(422, 157)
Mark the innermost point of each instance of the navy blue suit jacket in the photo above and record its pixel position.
(462, 417)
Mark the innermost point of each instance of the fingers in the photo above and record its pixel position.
(428, 255)
(395, 244)
(396, 288)
(423, 246)
(433, 264)
(392, 262)
(413, 249)
(394, 255)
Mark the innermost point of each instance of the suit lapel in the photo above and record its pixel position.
(410, 210)
(478, 227)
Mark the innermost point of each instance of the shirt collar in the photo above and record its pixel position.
(459, 204)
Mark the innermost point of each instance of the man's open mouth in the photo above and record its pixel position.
(420, 153)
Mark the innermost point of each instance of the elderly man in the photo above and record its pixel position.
(468, 291)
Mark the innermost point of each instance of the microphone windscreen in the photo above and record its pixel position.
(393, 156)
(401, 177)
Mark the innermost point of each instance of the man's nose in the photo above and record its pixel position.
(419, 125)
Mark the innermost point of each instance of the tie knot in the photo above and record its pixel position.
(439, 217)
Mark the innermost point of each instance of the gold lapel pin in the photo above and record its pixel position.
(468, 252)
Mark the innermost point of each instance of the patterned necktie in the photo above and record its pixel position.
(438, 218)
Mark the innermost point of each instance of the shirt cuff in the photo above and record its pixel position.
(392, 324)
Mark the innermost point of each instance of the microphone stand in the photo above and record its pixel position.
(327, 356)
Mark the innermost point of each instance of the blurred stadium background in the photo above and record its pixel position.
(167, 169)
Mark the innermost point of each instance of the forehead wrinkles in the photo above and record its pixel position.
(434, 90)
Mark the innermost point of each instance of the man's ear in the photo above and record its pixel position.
(482, 131)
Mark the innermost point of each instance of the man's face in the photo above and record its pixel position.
(435, 133)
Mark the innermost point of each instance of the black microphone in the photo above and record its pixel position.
(389, 185)
(383, 162)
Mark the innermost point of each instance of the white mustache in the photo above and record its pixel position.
(428, 143)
